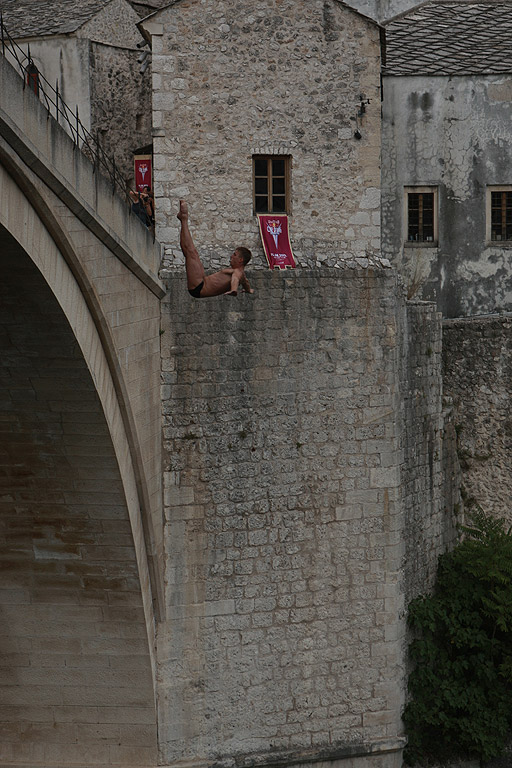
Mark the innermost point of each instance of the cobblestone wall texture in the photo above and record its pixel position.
(285, 523)
(113, 25)
(120, 104)
(231, 80)
(431, 475)
(477, 364)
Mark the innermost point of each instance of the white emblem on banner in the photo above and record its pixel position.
(274, 229)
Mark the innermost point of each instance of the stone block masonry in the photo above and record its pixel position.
(230, 81)
(120, 104)
(80, 461)
(283, 438)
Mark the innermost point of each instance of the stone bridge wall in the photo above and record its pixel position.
(76, 683)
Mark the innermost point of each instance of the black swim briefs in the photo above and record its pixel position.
(196, 292)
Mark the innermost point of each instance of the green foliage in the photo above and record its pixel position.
(461, 684)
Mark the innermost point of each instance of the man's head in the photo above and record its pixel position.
(242, 255)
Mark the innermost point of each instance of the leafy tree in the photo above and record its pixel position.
(461, 683)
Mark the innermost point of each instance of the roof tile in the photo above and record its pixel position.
(30, 18)
(451, 37)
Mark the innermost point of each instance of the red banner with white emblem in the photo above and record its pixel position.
(143, 172)
(276, 241)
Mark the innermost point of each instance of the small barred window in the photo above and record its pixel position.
(420, 215)
(501, 215)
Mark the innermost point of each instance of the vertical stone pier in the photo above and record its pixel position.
(283, 640)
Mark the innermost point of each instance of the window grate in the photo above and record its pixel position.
(501, 215)
(420, 217)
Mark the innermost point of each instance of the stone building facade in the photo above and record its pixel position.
(306, 456)
(446, 133)
(431, 474)
(293, 80)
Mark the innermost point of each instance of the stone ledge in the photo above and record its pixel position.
(306, 273)
(351, 263)
(303, 758)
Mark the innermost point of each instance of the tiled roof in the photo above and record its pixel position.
(29, 18)
(446, 37)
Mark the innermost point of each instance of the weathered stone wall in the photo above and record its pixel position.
(430, 476)
(296, 483)
(80, 452)
(231, 80)
(96, 70)
(120, 104)
(477, 370)
(114, 25)
(120, 95)
(452, 133)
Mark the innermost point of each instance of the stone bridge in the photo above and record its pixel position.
(80, 453)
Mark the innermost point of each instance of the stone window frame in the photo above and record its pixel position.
(495, 242)
(421, 189)
(269, 156)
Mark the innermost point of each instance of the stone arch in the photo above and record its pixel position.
(26, 200)
(77, 606)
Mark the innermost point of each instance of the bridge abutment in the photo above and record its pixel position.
(287, 516)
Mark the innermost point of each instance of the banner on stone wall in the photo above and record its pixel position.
(276, 241)
(143, 172)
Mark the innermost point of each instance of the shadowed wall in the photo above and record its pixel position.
(76, 682)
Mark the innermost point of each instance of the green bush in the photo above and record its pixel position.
(461, 683)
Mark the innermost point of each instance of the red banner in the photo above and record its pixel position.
(143, 172)
(276, 241)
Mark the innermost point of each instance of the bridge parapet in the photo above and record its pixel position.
(50, 152)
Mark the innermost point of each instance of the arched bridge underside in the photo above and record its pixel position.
(80, 498)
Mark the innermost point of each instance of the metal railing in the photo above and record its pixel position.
(57, 108)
